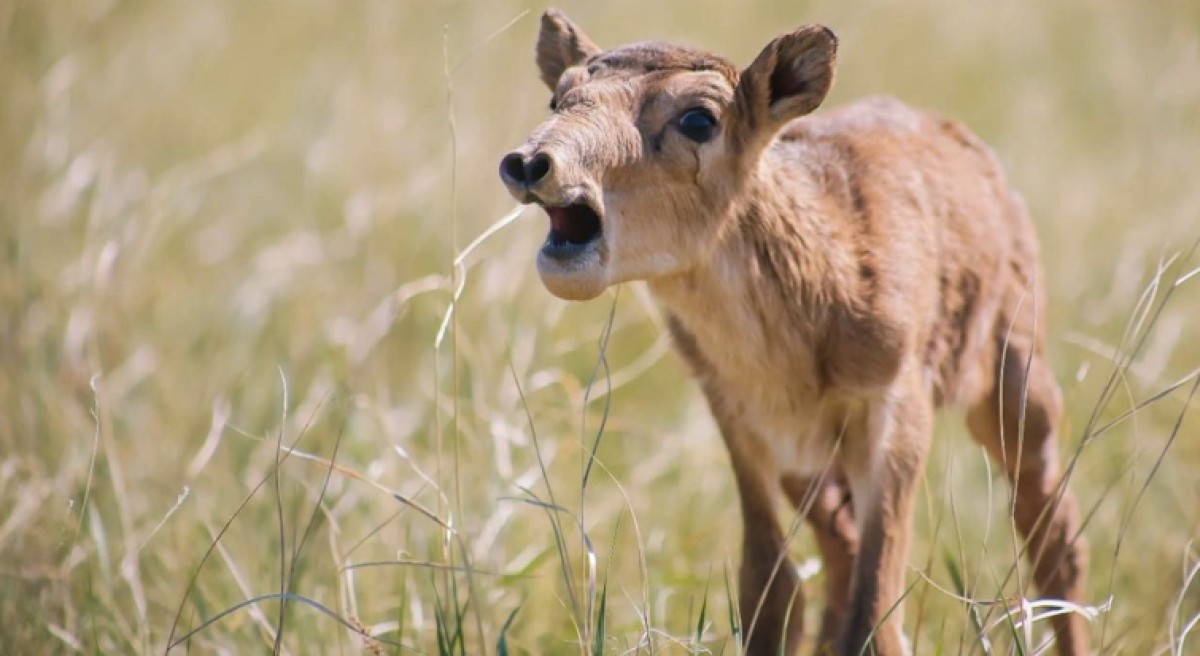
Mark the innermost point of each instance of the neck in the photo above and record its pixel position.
(777, 253)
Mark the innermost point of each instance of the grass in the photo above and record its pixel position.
(234, 413)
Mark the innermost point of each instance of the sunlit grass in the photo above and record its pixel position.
(236, 411)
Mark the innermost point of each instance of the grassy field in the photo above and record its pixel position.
(229, 372)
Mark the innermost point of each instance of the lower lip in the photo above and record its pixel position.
(565, 250)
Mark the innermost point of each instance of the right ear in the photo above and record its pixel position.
(560, 45)
(788, 79)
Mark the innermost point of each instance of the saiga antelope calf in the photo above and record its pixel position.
(830, 279)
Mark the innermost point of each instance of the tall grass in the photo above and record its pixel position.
(263, 388)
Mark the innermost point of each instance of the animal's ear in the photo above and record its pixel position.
(560, 45)
(789, 78)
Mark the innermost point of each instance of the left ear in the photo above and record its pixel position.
(560, 45)
(788, 79)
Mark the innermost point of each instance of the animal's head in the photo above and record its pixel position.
(648, 147)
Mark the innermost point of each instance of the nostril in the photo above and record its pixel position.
(537, 168)
(512, 168)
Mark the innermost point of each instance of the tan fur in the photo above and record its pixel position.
(831, 280)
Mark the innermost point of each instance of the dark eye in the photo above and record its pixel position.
(697, 125)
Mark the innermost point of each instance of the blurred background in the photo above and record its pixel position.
(229, 373)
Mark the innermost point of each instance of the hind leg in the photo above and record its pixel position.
(1016, 422)
(825, 502)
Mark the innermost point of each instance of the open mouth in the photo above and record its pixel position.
(572, 228)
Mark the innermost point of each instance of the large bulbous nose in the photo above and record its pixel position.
(520, 172)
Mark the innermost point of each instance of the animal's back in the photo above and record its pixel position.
(944, 241)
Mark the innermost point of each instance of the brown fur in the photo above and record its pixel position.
(831, 280)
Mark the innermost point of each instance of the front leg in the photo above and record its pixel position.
(770, 600)
(884, 466)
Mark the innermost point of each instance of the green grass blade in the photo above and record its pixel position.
(502, 641)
